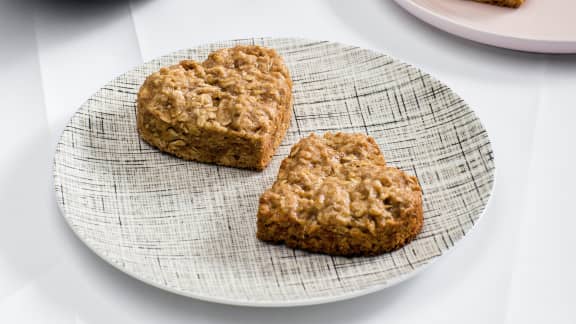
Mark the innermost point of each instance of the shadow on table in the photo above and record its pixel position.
(408, 38)
(60, 20)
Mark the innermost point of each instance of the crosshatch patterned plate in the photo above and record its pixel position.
(189, 228)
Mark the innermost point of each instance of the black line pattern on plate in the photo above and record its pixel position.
(190, 227)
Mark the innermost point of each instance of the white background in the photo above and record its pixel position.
(517, 266)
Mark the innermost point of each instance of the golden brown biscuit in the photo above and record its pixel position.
(232, 109)
(334, 194)
(503, 3)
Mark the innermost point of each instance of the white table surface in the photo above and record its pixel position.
(517, 266)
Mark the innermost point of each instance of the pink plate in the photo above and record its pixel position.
(545, 26)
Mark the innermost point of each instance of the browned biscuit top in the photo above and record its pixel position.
(504, 3)
(340, 181)
(240, 89)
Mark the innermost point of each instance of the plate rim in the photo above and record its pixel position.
(512, 42)
(57, 183)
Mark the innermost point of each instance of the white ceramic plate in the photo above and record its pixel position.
(544, 26)
(190, 228)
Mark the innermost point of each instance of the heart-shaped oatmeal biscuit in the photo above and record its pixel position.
(232, 109)
(336, 195)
